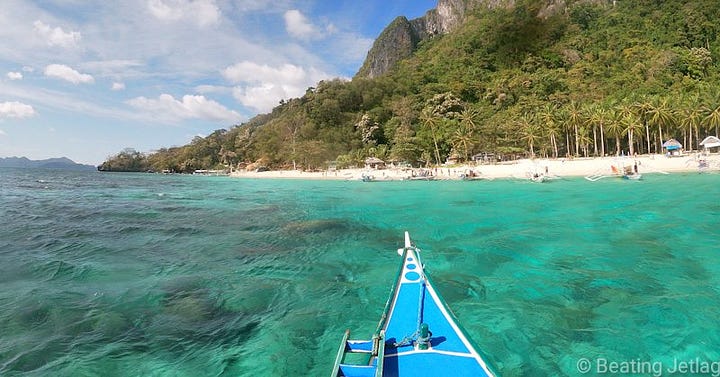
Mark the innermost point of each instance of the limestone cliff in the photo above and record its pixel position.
(400, 39)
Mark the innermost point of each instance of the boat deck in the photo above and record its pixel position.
(417, 335)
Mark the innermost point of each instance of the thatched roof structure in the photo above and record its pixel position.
(672, 144)
(374, 163)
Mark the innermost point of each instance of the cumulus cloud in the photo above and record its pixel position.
(167, 108)
(66, 73)
(117, 86)
(57, 36)
(262, 86)
(2, 133)
(298, 26)
(15, 75)
(202, 12)
(14, 109)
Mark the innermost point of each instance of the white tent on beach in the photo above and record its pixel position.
(710, 142)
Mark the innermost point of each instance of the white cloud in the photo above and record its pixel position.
(110, 67)
(202, 12)
(298, 26)
(167, 108)
(118, 86)
(262, 97)
(15, 75)
(269, 6)
(203, 89)
(57, 36)
(248, 71)
(262, 87)
(14, 109)
(2, 133)
(28, 69)
(68, 74)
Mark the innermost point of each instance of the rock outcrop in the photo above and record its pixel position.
(400, 39)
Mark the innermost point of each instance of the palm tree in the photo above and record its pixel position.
(428, 117)
(547, 119)
(463, 137)
(468, 126)
(642, 109)
(575, 120)
(469, 118)
(561, 118)
(615, 129)
(587, 122)
(599, 116)
(712, 118)
(631, 125)
(690, 118)
(661, 115)
(529, 131)
(584, 140)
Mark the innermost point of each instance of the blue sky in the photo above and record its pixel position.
(85, 79)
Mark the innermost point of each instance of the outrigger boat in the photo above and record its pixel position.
(417, 335)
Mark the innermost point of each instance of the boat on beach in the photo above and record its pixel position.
(417, 334)
(537, 178)
(472, 175)
(367, 177)
(420, 175)
(629, 172)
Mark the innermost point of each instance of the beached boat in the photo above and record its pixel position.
(472, 175)
(537, 178)
(420, 175)
(417, 335)
(625, 172)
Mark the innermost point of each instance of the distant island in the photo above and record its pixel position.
(62, 163)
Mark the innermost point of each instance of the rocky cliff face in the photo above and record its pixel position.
(400, 39)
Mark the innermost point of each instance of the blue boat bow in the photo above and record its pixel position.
(417, 335)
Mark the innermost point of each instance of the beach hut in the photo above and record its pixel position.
(674, 148)
(453, 158)
(710, 142)
(374, 163)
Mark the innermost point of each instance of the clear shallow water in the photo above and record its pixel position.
(135, 274)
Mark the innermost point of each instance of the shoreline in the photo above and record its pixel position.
(519, 169)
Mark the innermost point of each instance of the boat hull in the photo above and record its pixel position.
(420, 336)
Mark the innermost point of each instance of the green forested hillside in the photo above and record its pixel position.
(600, 78)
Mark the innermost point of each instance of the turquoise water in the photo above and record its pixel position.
(152, 275)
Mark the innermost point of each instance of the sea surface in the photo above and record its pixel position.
(105, 274)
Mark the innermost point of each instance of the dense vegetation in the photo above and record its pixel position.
(601, 78)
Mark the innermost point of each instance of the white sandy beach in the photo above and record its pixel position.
(562, 167)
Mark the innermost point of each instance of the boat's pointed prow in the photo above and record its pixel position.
(417, 335)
